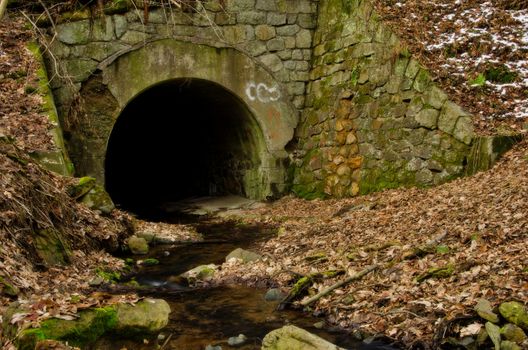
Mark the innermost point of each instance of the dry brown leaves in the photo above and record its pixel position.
(485, 221)
(32, 199)
(168, 233)
(21, 102)
(458, 40)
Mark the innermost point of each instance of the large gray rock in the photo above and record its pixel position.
(515, 312)
(485, 310)
(147, 316)
(295, 338)
(74, 33)
(98, 199)
(449, 117)
(201, 273)
(464, 131)
(138, 245)
(428, 118)
(244, 255)
(513, 333)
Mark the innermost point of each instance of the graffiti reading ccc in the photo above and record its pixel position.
(262, 92)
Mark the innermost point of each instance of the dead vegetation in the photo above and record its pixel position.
(435, 252)
(476, 50)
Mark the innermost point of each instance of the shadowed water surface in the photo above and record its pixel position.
(202, 317)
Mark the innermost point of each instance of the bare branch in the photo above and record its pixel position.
(3, 6)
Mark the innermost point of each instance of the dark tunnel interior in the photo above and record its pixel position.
(180, 139)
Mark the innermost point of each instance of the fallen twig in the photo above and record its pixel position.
(428, 248)
(354, 277)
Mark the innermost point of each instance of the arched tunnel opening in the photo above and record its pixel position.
(179, 139)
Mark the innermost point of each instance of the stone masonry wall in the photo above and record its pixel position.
(373, 117)
(277, 33)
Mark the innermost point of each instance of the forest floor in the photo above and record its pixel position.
(477, 51)
(479, 224)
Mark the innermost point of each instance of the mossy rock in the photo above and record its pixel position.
(124, 320)
(146, 317)
(51, 248)
(117, 7)
(82, 187)
(515, 312)
(7, 288)
(98, 199)
(108, 276)
(138, 245)
(201, 273)
(150, 262)
(89, 327)
(244, 255)
(509, 345)
(318, 257)
(437, 272)
(513, 333)
(9, 330)
(485, 310)
(295, 338)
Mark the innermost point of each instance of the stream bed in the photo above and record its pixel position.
(208, 317)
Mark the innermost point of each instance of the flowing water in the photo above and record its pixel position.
(202, 317)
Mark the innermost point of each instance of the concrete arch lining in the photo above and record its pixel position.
(168, 59)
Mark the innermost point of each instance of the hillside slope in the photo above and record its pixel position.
(476, 50)
(479, 226)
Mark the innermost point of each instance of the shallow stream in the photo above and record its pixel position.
(202, 317)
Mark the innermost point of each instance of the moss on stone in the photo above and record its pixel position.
(309, 191)
(98, 199)
(8, 288)
(89, 327)
(107, 275)
(51, 247)
(146, 317)
(516, 313)
(44, 90)
(437, 272)
(318, 257)
(72, 16)
(150, 262)
(82, 187)
(300, 287)
(375, 180)
(116, 7)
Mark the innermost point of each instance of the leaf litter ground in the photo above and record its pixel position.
(482, 219)
(458, 40)
(483, 222)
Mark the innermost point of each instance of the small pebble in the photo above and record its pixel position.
(97, 281)
(274, 294)
(319, 325)
(235, 341)
(211, 347)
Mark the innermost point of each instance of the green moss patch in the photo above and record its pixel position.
(437, 272)
(500, 74)
(89, 327)
(110, 276)
(8, 288)
(150, 262)
(82, 187)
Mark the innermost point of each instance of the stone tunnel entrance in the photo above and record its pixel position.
(179, 139)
